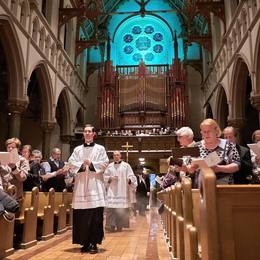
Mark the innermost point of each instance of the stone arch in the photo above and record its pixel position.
(238, 92)
(257, 63)
(221, 107)
(46, 90)
(209, 112)
(241, 109)
(80, 117)
(64, 113)
(15, 61)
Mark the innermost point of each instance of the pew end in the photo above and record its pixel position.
(68, 205)
(7, 228)
(26, 221)
(45, 215)
(231, 220)
(60, 212)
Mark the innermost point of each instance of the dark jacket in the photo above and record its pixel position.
(7, 203)
(34, 177)
(246, 166)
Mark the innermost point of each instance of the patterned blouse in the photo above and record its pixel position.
(227, 152)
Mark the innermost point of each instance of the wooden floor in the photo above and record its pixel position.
(143, 240)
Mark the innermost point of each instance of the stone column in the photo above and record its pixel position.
(66, 142)
(47, 127)
(255, 101)
(16, 108)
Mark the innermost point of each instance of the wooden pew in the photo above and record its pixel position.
(45, 215)
(191, 204)
(179, 221)
(231, 220)
(7, 230)
(26, 221)
(68, 204)
(60, 212)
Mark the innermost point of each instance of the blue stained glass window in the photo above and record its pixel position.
(158, 48)
(128, 49)
(158, 37)
(149, 56)
(143, 43)
(128, 38)
(137, 56)
(149, 29)
(136, 30)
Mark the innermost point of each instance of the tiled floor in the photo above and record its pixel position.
(144, 240)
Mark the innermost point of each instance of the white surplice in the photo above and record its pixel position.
(89, 188)
(118, 191)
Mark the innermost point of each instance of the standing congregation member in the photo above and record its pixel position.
(55, 173)
(211, 142)
(241, 177)
(34, 178)
(255, 159)
(121, 183)
(175, 173)
(26, 151)
(14, 173)
(88, 162)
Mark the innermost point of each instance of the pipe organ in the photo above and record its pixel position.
(142, 96)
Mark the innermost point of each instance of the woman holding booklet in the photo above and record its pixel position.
(228, 161)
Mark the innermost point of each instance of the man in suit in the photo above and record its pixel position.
(246, 166)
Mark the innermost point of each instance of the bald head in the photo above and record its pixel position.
(230, 134)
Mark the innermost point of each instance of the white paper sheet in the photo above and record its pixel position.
(255, 148)
(211, 160)
(9, 157)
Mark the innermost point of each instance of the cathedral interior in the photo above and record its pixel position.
(133, 69)
(137, 70)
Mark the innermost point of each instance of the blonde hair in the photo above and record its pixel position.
(14, 140)
(211, 122)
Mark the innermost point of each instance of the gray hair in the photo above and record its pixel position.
(185, 131)
(37, 152)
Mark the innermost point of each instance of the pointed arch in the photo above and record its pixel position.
(80, 117)
(64, 103)
(15, 61)
(221, 107)
(238, 90)
(46, 90)
(257, 62)
(209, 112)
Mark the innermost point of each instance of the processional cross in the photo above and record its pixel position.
(127, 146)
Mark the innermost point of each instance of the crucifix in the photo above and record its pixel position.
(127, 146)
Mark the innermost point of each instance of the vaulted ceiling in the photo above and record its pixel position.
(186, 10)
(99, 18)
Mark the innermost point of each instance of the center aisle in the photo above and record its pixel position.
(143, 240)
